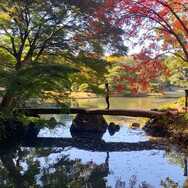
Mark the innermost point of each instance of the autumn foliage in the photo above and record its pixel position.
(140, 74)
(162, 24)
(158, 27)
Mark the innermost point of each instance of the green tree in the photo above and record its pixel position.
(178, 70)
(34, 30)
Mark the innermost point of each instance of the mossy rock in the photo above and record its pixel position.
(113, 128)
(157, 128)
(88, 124)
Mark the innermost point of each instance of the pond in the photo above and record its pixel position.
(68, 163)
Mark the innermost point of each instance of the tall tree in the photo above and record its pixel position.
(32, 30)
(156, 27)
(134, 74)
(162, 25)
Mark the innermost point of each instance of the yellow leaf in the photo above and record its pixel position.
(4, 16)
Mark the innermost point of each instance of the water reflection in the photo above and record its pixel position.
(125, 160)
(55, 162)
(21, 169)
(11, 170)
(130, 154)
(53, 168)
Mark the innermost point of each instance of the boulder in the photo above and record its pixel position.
(135, 125)
(85, 124)
(113, 128)
(155, 127)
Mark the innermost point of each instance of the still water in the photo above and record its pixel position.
(77, 166)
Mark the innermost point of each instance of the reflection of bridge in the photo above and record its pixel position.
(95, 145)
(114, 112)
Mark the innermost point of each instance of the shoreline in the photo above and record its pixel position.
(88, 95)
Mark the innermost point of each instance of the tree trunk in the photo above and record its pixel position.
(13, 171)
(8, 102)
(18, 62)
(9, 99)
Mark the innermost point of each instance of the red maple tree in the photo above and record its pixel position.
(160, 27)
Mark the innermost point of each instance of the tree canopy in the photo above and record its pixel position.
(34, 31)
(158, 28)
(78, 33)
(33, 28)
(159, 24)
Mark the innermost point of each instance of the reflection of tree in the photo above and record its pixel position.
(132, 183)
(22, 168)
(169, 183)
(62, 173)
(175, 158)
(185, 185)
(185, 166)
(12, 169)
(74, 174)
(178, 159)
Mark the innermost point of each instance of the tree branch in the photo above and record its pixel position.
(174, 13)
(8, 50)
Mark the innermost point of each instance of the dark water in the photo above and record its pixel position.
(75, 165)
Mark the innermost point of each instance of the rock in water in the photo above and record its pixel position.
(113, 128)
(156, 127)
(88, 124)
(135, 125)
